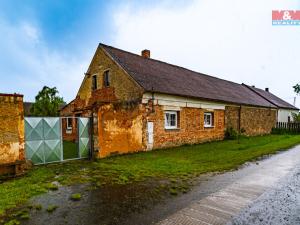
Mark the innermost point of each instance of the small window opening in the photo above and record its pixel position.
(106, 79)
(94, 82)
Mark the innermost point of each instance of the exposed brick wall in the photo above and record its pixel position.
(124, 130)
(11, 128)
(191, 129)
(255, 121)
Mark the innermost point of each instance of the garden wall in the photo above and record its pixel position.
(254, 120)
(11, 130)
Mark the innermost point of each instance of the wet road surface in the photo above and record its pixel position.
(266, 194)
(215, 199)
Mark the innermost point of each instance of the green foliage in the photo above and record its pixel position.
(297, 88)
(12, 222)
(180, 163)
(52, 187)
(231, 134)
(47, 102)
(296, 117)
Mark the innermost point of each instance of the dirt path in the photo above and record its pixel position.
(214, 200)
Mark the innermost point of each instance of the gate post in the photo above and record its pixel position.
(94, 135)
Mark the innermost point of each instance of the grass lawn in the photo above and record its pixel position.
(70, 150)
(175, 164)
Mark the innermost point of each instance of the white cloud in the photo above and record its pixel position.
(30, 31)
(231, 39)
(28, 63)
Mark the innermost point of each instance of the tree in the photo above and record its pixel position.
(297, 88)
(47, 102)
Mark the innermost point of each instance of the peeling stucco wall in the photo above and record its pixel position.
(11, 128)
(120, 130)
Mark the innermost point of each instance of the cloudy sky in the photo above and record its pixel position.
(51, 42)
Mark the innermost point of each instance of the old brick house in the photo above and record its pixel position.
(139, 104)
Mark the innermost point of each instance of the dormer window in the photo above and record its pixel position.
(94, 82)
(106, 79)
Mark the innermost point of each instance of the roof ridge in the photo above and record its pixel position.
(170, 64)
(256, 92)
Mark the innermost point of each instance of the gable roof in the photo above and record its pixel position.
(157, 76)
(272, 98)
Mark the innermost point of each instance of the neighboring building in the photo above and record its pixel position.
(138, 103)
(285, 110)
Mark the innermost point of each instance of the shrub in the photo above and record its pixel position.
(231, 134)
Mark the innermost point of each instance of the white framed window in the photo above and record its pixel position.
(69, 123)
(171, 119)
(208, 119)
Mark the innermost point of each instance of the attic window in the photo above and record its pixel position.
(106, 78)
(94, 82)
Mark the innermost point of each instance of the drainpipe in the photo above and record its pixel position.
(239, 131)
(152, 100)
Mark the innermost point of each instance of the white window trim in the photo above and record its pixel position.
(211, 119)
(176, 118)
(69, 127)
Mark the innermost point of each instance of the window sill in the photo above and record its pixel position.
(172, 129)
(68, 131)
(209, 127)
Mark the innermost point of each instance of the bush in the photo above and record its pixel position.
(231, 134)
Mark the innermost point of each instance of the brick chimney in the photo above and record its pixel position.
(267, 89)
(146, 53)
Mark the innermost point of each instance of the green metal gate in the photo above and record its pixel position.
(44, 139)
(84, 138)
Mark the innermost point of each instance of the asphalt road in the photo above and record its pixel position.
(279, 205)
(266, 192)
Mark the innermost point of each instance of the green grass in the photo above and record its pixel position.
(178, 165)
(70, 150)
(51, 208)
(76, 197)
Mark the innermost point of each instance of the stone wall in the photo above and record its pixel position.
(11, 128)
(255, 121)
(122, 86)
(191, 128)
